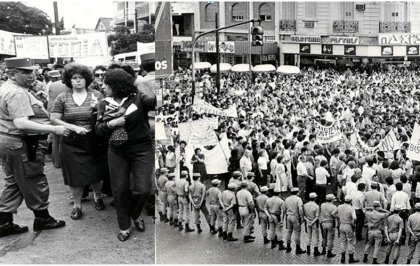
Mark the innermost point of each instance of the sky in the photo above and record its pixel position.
(83, 13)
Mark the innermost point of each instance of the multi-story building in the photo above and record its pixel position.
(124, 14)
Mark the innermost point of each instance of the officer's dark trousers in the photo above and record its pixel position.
(360, 222)
(131, 170)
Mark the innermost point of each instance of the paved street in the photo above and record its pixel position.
(91, 240)
(174, 247)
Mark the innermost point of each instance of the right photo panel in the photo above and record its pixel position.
(287, 132)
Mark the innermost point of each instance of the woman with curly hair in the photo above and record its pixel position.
(123, 118)
(73, 109)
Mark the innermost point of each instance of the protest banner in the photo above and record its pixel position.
(34, 47)
(388, 144)
(328, 134)
(78, 45)
(202, 107)
(413, 151)
(167, 119)
(199, 132)
(7, 43)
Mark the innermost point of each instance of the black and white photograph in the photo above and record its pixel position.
(77, 104)
(287, 132)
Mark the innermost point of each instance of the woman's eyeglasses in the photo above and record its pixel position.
(99, 75)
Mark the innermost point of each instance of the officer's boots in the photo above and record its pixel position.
(266, 241)
(308, 250)
(161, 216)
(386, 261)
(220, 232)
(316, 252)
(165, 219)
(176, 224)
(395, 262)
(171, 221)
(299, 250)
(375, 261)
(199, 229)
(365, 258)
(330, 254)
(274, 243)
(324, 250)
(352, 259)
(231, 238)
(343, 257)
(288, 248)
(408, 261)
(188, 228)
(212, 230)
(281, 245)
(180, 227)
(247, 239)
(225, 235)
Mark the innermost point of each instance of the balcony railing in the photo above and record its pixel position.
(394, 26)
(345, 26)
(287, 25)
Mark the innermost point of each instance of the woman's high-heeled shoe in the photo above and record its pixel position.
(123, 236)
(140, 225)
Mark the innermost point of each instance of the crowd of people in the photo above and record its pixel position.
(96, 123)
(280, 171)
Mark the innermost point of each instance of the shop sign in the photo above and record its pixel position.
(412, 50)
(224, 47)
(271, 57)
(387, 50)
(344, 40)
(304, 48)
(327, 49)
(349, 49)
(199, 46)
(305, 39)
(399, 38)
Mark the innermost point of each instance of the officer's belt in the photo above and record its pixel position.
(273, 213)
(214, 203)
(183, 196)
(374, 229)
(346, 223)
(39, 137)
(243, 206)
(327, 221)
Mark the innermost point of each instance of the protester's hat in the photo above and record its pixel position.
(171, 175)
(54, 73)
(397, 208)
(376, 203)
(347, 198)
(417, 206)
(312, 195)
(216, 181)
(294, 189)
(264, 189)
(250, 174)
(237, 173)
(20, 63)
(232, 185)
(184, 172)
(164, 170)
(330, 197)
(196, 174)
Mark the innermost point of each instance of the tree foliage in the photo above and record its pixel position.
(17, 17)
(122, 41)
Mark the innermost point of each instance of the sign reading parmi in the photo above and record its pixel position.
(328, 134)
(399, 38)
(344, 40)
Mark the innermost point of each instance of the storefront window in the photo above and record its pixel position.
(265, 12)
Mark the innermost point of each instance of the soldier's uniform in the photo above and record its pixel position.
(294, 215)
(413, 225)
(374, 195)
(197, 192)
(229, 217)
(163, 194)
(246, 206)
(328, 225)
(237, 181)
(214, 196)
(376, 219)
(274, 208)
(172, 200)
(346, 215)
(255, 192)
(395, 225)
(263, 219)
(181, 187)
(311, 215)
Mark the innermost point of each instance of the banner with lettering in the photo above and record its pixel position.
(413, 151)
(202, 107)
(199, 132)
(7, 43)
(328, 134)
(79, 45)
(34, 47)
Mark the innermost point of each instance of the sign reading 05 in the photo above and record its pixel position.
(161, 65)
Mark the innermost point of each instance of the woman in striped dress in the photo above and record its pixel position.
(73, 109)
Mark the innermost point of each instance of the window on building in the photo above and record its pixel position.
(347, 10)
(288, 10)
(210, 11)
(238, 11)
(265, 12)
(394, 12)
(310, 10)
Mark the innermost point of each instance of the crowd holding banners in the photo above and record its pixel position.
(87, 128)
(366, 118)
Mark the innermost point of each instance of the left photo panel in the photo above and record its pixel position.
(77, 104)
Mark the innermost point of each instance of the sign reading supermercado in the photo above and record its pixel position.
(305, 39)
(77, 46)
(399, 38)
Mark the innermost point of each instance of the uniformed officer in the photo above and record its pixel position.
(255, 192)
(24, 125)
(376, 220)
(274, 209)
(394, 233)
(263, 218)
(214, 196)
(163, 194)
(413, 226)
(294, 217)
(346, 216)
(172, 200)
(197, 197)
(237, 179)
(311, 216)
(246, 208)
(183, 202)
(374, 195)
(229, 218)
(328, 225)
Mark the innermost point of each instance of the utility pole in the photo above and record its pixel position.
(217, 56)
(56, 21)
(136, 26)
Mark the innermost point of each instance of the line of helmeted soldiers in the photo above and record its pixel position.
(239, 201)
